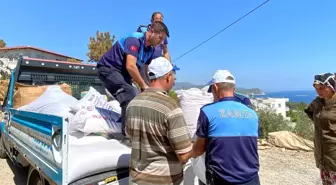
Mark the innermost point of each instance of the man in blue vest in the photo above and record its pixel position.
(161, 49)
(227, 131)
(120, 65)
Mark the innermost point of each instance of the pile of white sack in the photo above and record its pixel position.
(192, 100)
(94, 115)
(90, 115)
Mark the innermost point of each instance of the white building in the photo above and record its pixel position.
(12, 54)
(277, 105)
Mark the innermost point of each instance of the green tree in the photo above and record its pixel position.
(297, 106)
(173, 95)
(301, 106)
(271, 122)
(99, 45)
(304, 127)
(2, 43)
(73, 60)
(291, 105)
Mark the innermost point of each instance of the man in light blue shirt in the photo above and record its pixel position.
(227, 131)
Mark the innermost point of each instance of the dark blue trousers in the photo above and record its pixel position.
(119, 86)
(219, 181)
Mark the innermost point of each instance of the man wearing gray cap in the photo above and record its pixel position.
(227, 131)
(155, 124)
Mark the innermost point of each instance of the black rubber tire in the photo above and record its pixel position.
(35, 179)
(3, 154)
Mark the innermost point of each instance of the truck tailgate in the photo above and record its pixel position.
(42, 140)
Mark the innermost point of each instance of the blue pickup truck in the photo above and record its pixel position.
(42, 143)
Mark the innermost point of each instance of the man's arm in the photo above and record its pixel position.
(165, 52)
(202, 135)
(132, 46)
(146, 74)
(314, 105)
(179, 136)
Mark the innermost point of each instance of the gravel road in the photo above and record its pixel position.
(278, 167)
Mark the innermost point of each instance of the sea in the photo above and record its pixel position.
(294, 96)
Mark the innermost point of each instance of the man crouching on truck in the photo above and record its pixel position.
(121, 64)
(161, 143)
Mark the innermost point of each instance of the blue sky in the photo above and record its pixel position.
(278, 47)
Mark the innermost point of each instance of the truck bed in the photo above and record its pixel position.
(77, 157)
(43, 141)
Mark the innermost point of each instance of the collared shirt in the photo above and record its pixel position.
(231, 130)
(243, 99)
(158, 49)
(134, 45)
(157, 128)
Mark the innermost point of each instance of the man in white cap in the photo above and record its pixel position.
(155, 124)
(227, 133)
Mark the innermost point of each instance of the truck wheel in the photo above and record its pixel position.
(35, 178)
(3, 154)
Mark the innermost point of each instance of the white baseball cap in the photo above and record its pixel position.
(221, 76)
(159, 67)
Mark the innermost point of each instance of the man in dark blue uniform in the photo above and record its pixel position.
(227, 131)
(161, 49)
(120, 65)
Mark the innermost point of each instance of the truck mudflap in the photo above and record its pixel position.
(41, 139)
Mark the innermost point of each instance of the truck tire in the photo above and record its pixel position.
(34, 178)
(3, 153)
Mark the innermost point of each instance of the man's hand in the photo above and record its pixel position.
(142, 89)
(134, 71)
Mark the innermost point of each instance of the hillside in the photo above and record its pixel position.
(187, 85)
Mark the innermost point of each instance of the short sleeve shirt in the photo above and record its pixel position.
(231, 129)
(157, 128)
(116, 56)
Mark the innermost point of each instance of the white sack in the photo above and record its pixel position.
(115, 106)
(198, 165)
(93, 97)
(54, 101)
(189, 176)
(95, 154)
(94, 120)
(192, 100)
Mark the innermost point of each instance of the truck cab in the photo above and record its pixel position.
(42, 142)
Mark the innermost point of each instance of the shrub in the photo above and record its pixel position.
(173, 95)
(271, 122)
(304, 127)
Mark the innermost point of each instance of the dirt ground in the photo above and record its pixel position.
(286, 167)
(277, 167)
